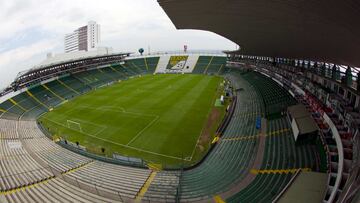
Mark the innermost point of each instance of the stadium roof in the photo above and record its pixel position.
(319, 30)
(68, 58)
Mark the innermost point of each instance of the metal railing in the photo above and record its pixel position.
(180, 52)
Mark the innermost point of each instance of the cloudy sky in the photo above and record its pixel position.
(31, 28)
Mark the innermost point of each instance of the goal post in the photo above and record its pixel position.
(74, 125)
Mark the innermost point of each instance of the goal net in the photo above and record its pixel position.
(74, 125)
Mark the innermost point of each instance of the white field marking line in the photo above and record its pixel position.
(122, 110)
(146, 127)
(88, 122)
(102, 127)
(140, 132)
(208, 114)
(111, 107)
(69, 111)
(100, 131)
(80, 107)
(126, 146)
(118, 109)
(107, 108)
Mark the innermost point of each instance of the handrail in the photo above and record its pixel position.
(286, 186)
(353, 183)
(340, 149)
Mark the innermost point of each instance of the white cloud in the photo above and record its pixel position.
(20, 59)
(126, 25)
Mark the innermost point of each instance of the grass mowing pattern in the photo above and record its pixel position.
(156, 117)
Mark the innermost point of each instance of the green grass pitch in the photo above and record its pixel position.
(159, 118)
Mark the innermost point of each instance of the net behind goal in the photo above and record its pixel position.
(74, 125)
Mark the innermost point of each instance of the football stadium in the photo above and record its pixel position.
(276, 120)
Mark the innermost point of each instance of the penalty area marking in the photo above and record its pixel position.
(111, 108)
(106, 108)
(101, 127)
(122, 110)
(115, 143)
(118, 109)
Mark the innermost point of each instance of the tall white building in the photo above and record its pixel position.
(84, 38)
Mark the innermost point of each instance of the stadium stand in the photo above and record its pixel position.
(210, 65)
(201, 64)
(18, 168)
(280, 153)
(54, 155)
(10, 110)
(73, 84)
(126, 181)
(216, 65)
(254, 157)
(53, 190)
(60, 91)
(22, 170)
(164, 187)
(138, 65)
(41, 166)
(228, 156)
(43, 96)
(29, 130)
(151, 63)
(334, 116)
(91, 78)
(40, 98)
(143, 65)
(275, 102)
(238, 144)
(236, 152)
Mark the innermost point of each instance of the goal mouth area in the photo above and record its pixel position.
(74, 125)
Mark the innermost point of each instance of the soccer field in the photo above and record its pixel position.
(167, 119)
